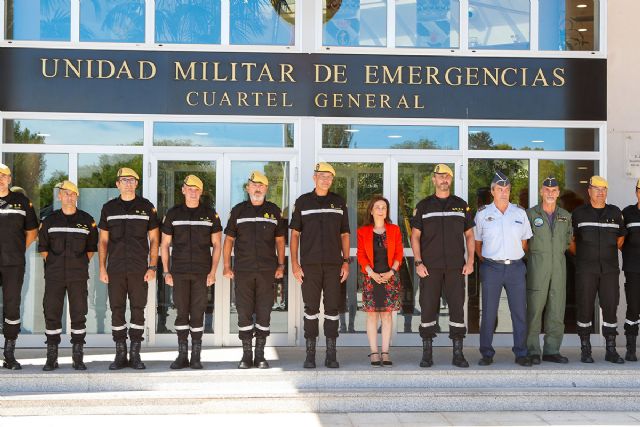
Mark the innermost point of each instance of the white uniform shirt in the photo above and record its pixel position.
(502, 234)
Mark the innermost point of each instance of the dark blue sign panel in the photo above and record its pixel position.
(297, 84)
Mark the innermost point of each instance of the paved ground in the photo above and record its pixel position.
(340, 420)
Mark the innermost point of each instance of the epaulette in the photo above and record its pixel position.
(481, 208)
(518, 206)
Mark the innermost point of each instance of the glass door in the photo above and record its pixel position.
(412, 183)
(170, 169)
(282, 191)
(357, 179)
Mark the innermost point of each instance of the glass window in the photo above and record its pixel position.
(36, 175)
(188, 21)
(573, 177)
(112, 21)
(223, 134)
(262, 22)
(499, 24)
(399, 137)
(428, 23)
(73, 132)
(568, 25)
(354, 23)
(97, 185)
(38, 20)
(538, 139)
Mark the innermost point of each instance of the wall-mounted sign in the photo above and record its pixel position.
(322, 85)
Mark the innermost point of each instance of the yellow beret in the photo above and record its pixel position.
(325, 167)
(68, 185)
(194, 181)
(4, 169)
(128, 172)
(598, 181)
(638, 184)
(259, 178)
(442, 168)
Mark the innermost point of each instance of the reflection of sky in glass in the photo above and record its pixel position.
(355, 23)
(85, 132)
(499, 24)
(548, 139)
(192, 21)
(112, 21)
(220, 134)
(257, 22)
(55, 163)
(39, 20)
(374, 136)
(427, 23)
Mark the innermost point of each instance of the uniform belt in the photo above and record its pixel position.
(504, 261)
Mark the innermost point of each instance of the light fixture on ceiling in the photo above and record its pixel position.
(537, 141)
(394, 136)
(582, 30)
(581, 6)
(201, 133)
(352, 130)
(584, 182)
(44, 135)
(582, 168)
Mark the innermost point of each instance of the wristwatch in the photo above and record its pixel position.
(152, 268)
(281, 266)
(346, 260)
(165, 273)
(418, 263)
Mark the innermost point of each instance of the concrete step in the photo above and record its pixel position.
(286, 387)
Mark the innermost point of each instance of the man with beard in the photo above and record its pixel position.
(255, 229)
(441, 228)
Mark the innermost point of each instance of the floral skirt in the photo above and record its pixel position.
(378, 297)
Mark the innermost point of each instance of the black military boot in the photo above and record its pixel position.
(427, 353)
(310, 361)
(458, 357)
(120, 362)
(630, 355)
(247, 354)
(134, 356)
(10, 361)
(585, 349)
(259, 361)
(52, 358)
(77, 354)
(611, 354)
(331, 360)
(182, 361)
(196, 349)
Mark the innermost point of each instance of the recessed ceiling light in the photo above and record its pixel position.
(584, 182)
(582, 168)
(537, 141)
(201, 133)
(395, 136)
(44, 135)
(581, 6)
(582, 30)
(352, 130)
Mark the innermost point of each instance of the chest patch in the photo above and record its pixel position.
(490, 218)
(538, 222)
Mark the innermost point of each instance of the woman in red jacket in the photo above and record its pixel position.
(379, 255)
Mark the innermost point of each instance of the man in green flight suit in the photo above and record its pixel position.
(547, 273)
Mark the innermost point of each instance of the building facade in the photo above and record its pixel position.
(382, 89)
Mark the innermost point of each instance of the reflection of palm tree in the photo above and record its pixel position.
(189, 21)
(247, 18)
(125, 20)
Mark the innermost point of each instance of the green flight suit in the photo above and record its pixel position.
(547, 278)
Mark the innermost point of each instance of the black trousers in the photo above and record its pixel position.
(190, 298)
(321, 280)
(431, 287)
(632, 292)
(11, 278)
(254, 294)
(121, 286)
(606, 287)
(53, 304)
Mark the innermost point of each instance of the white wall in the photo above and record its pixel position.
(623, 106)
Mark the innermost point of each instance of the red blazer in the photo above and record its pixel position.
(395, 250)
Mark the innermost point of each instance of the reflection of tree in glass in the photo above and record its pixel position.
(171, 175)
(57, 19)
(188, 21)
(336, 136)
(248, 17)
(124, 19)
(481, 173)
(105, 173)
(422, 143)
(278, 173)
